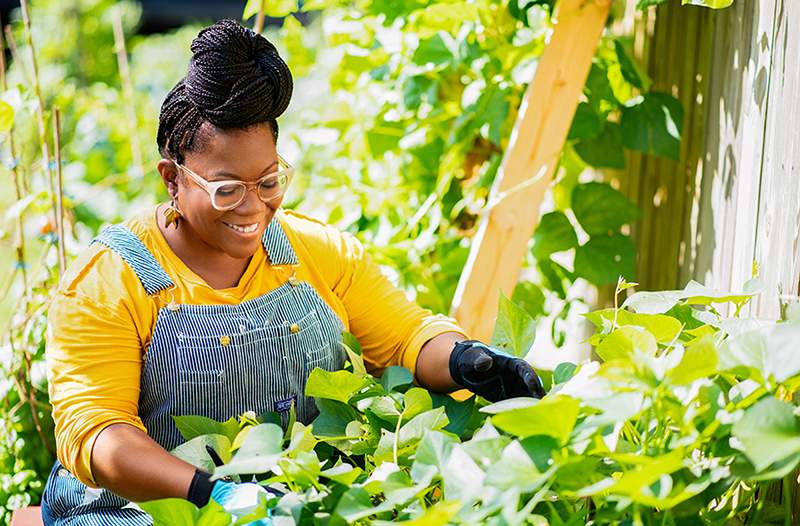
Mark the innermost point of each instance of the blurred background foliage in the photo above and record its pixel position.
(401, 114)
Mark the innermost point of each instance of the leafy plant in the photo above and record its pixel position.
(685, 418)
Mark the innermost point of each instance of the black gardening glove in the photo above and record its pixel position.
(492, 373)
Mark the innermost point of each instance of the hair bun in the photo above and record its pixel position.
(236, 77)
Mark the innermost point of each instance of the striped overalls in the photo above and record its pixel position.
(216, 361)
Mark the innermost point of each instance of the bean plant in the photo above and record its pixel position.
(412, 107)
(683, 418)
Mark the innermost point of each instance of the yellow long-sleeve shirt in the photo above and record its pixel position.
(101, 321)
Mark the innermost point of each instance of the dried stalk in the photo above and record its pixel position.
(19, 245)
(26, 20)
(127, 88)
(12, 45)
(259, 25)
(29, 397)
(62, 252)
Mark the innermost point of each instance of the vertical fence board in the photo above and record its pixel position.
(778, 232)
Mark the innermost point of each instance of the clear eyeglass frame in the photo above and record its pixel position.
(238, 190)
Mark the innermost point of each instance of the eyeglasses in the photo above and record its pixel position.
(227, 195)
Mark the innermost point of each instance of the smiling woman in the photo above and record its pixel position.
(221, 303)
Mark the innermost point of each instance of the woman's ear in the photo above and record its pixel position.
(169, 174)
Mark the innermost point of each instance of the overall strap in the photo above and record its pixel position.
(276, 244)
(125, 243)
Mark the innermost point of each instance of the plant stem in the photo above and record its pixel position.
(15, 178)
(787, 500)
(397, 436)
(259, 25)
(62, 252)
(127, 88)
(26, 19)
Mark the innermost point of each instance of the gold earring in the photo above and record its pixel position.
(173, 215)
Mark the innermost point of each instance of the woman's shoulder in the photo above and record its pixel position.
(317, 236)
(101, 274)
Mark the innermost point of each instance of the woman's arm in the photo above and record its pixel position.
(433, 363)
(131, 464)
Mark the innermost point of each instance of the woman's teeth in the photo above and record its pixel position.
(244, 229)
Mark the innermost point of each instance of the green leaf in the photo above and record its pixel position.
(259, 453)
(416, 400)
(436, 50)
(529, 297)
(194, 451)
(599, 91)
(699, 361)
(515, 330)
(663, 328)
(552, 416)
(554, 233)
(563, 372)
(181, 512)
(343, 474)
(600, 209)
(652, 124)
(769, 432)
(603, 259)
(396, 378)
(623, 342)
(605, 150)
(642, 4)
(355, 504)
(336, 385)
(273, 8)
(713, 4)
(6, 117)
(384, 136)
(194, 426)
(416, 427)
(333, 418)
(354, 354)
(586, 124)
(629, 70)
(647, 302)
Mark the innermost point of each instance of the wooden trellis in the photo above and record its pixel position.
(544, 119)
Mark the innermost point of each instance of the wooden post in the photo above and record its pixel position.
(544, 119)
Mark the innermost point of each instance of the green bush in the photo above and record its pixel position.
(685, 418)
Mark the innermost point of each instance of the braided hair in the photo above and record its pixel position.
(236, 80)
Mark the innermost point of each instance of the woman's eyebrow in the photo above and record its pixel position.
(224, 175)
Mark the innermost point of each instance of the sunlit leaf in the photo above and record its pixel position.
(553, 416)
(769, 432)
(515, 329)
(336, 385)
(6, 117)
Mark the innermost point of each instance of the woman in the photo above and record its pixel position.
(221, 302)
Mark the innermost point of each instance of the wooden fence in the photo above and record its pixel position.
(734, 198)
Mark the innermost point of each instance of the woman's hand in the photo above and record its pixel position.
(492, 373)
(448, 362)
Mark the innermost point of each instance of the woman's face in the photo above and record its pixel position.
(245, 155)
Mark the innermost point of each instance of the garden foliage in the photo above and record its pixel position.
(682, 420)
(401, 114)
